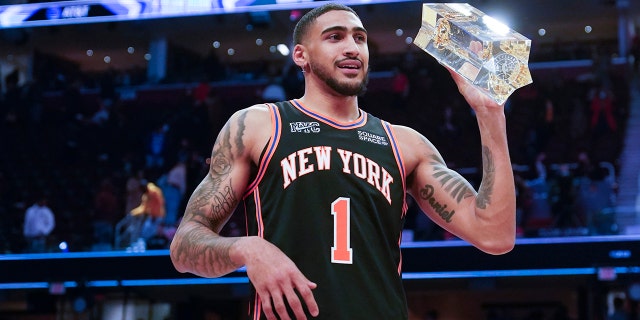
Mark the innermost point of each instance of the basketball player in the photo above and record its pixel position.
(324, 184)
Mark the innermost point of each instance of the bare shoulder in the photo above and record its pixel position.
(258, 113)
(251, 129)
(414, 147)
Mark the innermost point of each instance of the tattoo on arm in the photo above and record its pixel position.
(222, 198)
(488, 178)
(211, 205)
(426, 193)
(451, 181)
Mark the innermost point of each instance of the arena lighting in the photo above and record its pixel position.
(405, 276)
(498, 273)
(93, 11)
(128, 283)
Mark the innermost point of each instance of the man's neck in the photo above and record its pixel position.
(342, 108)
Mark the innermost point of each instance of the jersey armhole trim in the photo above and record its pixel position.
(276, 124)
(398, 155)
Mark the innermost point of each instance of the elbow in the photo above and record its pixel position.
(498, 246)
(173, 254)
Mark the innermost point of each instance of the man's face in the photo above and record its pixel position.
(338, 53)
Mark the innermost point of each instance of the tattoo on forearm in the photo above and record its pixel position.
(211, 205)
(488, 178)
(203, 255)
(426, 194)
(451, 181)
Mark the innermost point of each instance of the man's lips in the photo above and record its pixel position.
(350, 64)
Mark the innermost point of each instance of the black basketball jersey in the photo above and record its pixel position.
(331, 196)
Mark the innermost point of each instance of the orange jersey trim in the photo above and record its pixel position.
(276, 122)
(398, 155)
(361, 121)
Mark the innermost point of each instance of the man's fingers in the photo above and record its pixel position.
(267, 307)
(279, 306)
(307, 295)
(295, 304)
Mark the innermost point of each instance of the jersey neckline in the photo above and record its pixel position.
(359, 122)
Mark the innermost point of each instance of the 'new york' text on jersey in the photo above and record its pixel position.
(331, 196)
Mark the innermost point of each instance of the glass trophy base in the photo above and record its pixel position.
(482, 50)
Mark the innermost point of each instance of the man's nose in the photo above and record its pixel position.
(352, 49)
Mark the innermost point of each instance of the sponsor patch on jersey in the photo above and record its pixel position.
(373, 138)
(305, 127)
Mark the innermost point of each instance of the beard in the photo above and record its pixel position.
(342, 88)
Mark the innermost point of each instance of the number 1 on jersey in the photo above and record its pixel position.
(341, 251)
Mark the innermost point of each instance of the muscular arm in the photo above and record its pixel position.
(485, 218)
(197, 246)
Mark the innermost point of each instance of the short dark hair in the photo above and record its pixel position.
(310, 17)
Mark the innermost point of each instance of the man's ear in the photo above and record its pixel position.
(299, 56)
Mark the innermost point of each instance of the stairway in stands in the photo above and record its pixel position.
(628, 201)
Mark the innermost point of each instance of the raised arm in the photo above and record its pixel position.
(486, 217)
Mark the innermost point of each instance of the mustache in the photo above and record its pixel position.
(350, 59)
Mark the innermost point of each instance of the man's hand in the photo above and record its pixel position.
(276, 280)
(478, 100)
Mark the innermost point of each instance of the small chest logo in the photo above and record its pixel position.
(305, 127)
(373, 138)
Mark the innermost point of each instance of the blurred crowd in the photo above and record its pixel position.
(116, 158)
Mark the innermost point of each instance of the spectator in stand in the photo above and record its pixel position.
(619, 310)
(156, 147)
(143, 221)
(593, 194)
(540, 214)
(563, 194)
(200, 93)
(400, 88)
(174, 186)
(150, 213)
(134, 191)
(39, 222)
(602, 119)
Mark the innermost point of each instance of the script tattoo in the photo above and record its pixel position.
(211, 205)
(488, 178)
(213, 190)
(224, 201)
(426, 193)
(451, 181)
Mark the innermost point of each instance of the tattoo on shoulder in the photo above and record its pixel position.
(214, 199)
(488, 178)
(450, 180)
(241, 129)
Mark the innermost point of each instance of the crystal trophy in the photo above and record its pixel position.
(484, 51)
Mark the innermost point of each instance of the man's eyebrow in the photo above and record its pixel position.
(343, 29)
